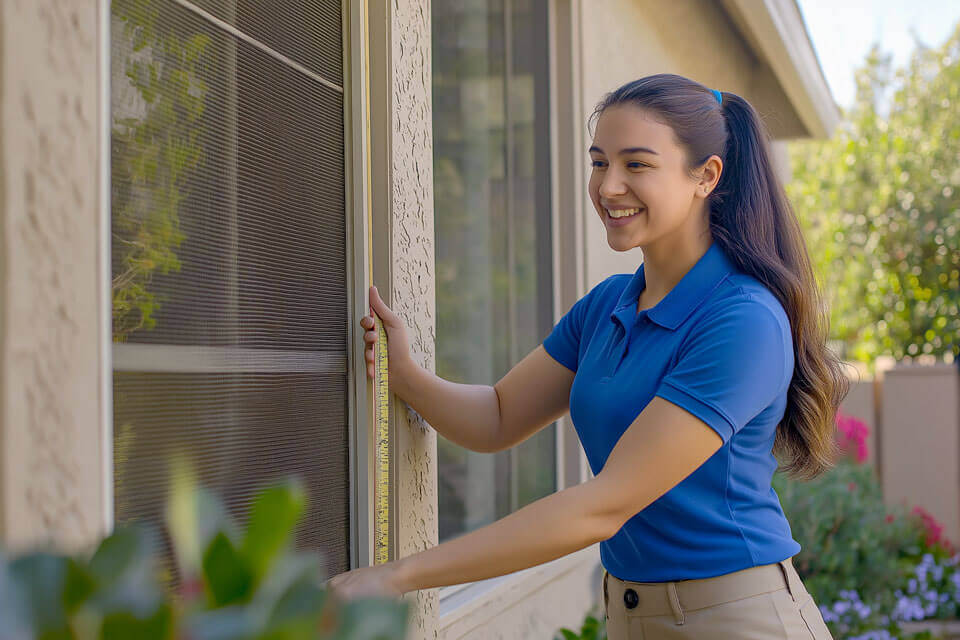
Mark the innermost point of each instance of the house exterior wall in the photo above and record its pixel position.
(51, 465)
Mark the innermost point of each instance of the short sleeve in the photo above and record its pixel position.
(563, 343)
(731, 368)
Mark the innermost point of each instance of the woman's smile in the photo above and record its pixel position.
(614, 221)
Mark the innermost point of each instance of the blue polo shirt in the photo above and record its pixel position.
(718, 345)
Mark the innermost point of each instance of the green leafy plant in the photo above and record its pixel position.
(594, 628)
(847, 540)
(854, 549)
(868, 567)
(234, 585)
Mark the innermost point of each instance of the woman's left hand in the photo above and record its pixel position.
(377, 581)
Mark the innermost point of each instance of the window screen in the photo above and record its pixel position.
(492, 221)
(229, 256)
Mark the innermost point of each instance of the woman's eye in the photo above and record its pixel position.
(631, 165)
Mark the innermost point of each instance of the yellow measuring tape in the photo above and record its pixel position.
(381, 391)
(381, 489)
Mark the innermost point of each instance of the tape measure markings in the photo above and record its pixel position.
(381, 534)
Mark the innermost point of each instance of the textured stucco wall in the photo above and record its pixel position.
(50, 462)
(413, 292)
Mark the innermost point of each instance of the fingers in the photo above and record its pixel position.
(380, 307)
(370, 335)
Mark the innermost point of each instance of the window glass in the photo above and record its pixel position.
(492, 224)
(228, 242)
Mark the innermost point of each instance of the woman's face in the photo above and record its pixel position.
(637, 165)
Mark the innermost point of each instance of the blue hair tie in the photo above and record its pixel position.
(718, 95)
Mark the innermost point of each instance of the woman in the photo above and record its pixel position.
(682, 380)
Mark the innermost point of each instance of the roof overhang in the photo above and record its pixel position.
(776, 32)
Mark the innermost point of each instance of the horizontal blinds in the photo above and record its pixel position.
(228, 256)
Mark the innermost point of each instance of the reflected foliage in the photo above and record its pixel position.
(153, 154)
(491, 203)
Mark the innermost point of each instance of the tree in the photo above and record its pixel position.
(880, 206)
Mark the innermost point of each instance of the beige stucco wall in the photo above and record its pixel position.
(627, 39)
(412, 277)
(920, 433)
(50, 460)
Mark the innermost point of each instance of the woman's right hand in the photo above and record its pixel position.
(398, 345)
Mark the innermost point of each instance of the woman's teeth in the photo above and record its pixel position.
(622, 213)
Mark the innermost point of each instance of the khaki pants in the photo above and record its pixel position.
(760, 603)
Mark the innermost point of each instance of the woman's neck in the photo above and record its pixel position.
(664, 266)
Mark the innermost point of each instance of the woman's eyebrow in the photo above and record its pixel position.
(624, 152)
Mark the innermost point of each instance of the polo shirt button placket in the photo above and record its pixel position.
(622, 347)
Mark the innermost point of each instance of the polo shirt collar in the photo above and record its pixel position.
(709, 271)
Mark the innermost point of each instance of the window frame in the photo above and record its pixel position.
(126, 356)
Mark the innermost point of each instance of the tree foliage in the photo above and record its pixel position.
(880, 206)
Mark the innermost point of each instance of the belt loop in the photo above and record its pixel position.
(674, 602)
(606, 596)
(794, 585)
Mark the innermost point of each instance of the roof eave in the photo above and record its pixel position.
(776, 31)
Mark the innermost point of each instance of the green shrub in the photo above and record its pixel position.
(233, 586)
(847, 539)
(594, 627)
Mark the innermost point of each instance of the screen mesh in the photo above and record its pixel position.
(229, 257)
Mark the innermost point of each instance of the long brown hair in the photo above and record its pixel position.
(753, 222)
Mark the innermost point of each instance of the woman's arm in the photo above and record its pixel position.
(661, 447)
(467, 414)
(487, 419)
(479, 417)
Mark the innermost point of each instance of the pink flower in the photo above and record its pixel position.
(852, 434)
(852, 486)
(933, 529)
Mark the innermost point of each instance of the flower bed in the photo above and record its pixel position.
(876, 573)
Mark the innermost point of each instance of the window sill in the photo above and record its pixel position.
(475, 603)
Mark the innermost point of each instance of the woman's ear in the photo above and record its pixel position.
(710, 176)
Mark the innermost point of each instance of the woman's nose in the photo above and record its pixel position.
(611, 185)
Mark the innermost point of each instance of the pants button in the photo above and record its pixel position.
(630, 598)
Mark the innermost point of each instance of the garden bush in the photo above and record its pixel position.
(234, 585)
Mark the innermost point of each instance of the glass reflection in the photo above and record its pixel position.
(492, 223)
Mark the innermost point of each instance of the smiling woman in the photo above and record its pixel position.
(683, 380)
(725, 313)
